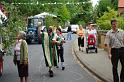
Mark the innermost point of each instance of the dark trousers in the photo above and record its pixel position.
(22, 69)
(80, 42)
(117, 54)
(60, 51)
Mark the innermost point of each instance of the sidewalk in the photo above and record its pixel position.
(97, 63)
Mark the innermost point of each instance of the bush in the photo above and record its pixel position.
(121, 22)
(104, 25)
(104, 21)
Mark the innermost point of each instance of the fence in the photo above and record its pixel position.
(101, 38)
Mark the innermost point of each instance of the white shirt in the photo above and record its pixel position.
(92, 32)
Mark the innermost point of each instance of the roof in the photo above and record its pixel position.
(43, 15)
(121, 3)
(93, 24)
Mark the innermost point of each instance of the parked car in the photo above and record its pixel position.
(74, 28)
(64, 30)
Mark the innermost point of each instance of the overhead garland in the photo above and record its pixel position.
(55, 3)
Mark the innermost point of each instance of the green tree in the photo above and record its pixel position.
(74, 10)
(104, 21)
(50, 21)
(64, 13)
(114, 4)
(81, 12)
(102, 7)
(121, 22)
(80, 6)
(15, 24)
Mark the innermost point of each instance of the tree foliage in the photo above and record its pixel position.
(115, 4)
(64, 13)
(104, 21)
(81, 12)
(102, 7)
(51, 21)
(121, 22)
(68, 10)
(15, 24)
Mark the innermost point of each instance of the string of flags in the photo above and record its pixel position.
(55, 3)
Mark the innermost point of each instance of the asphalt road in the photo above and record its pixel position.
(38, 72)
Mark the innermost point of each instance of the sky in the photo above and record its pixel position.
(94, 2)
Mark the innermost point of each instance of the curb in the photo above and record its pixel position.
(88, 67)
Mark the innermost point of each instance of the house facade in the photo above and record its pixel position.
(120, 6)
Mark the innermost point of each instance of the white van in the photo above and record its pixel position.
(74, 27)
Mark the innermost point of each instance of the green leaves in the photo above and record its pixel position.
(50, 21)
(104, 21)
(121, 22)
(15, 23)
(102, 7)
(64, 13)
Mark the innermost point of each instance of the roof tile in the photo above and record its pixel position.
(121, 3)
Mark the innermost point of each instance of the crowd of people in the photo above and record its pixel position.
(84, 35)
(52, 45)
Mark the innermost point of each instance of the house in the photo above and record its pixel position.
(120, 6)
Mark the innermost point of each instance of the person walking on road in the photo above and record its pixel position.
(115, 44)
(49, 49)
(21, 56)
(69, 30)
(60, 49)
(80, 34)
